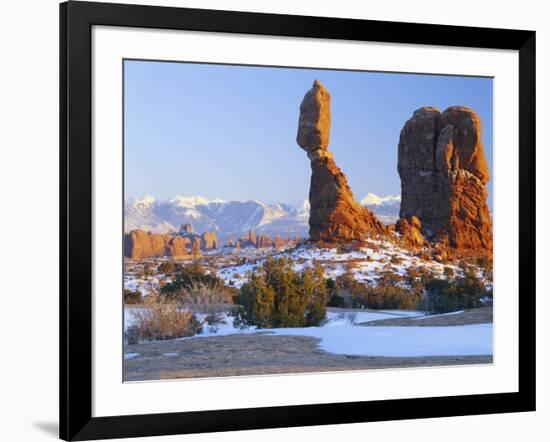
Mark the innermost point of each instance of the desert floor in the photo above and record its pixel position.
(262, 353)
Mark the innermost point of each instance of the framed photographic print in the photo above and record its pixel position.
(274, 220)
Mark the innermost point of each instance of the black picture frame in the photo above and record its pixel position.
(76, 21)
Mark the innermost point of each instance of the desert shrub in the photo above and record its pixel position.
(347, 292)
(167, 267)
(412, 274)
(132, 296)
(278, 296)
(341, 249)
(485, 262)
(443, 296)
(389, 277)
(396, 259)
(161, 318)
(188, 277)
(425, 274)
(202, 297)
(448, 272)
(146, 270)
(388, 296)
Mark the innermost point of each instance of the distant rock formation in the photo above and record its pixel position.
(186, 229)
(278, 241)
(196, 246)
(209, 240)
(261, 241)
(178, 246)
(444, 177)
(335, 215)
(264, 241)
(139, 244)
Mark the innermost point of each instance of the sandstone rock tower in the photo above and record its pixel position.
(335, 215)
(444, 177)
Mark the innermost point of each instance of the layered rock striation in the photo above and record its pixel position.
(335, 216)
(444, 176)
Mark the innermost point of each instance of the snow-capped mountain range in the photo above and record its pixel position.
(386, 208)
(232, 219)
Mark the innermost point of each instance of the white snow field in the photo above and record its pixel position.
(401, 341)
(341, 335)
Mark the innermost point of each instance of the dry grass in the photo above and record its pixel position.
(162, 318)
(203, 298)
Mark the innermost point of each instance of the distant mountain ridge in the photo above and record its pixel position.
(386, 208)
(232, 219)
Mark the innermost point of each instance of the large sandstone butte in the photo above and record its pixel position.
(335, 216)
(444, 177)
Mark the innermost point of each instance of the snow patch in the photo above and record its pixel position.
(130, 356)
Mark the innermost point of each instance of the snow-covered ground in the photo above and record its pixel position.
(341, 335)
(441, 314)
(365, 264)
(401, 341)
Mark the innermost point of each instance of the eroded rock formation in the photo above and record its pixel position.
(186, 229)
(335, 215)
(444, 177)
(209, 240)
(139, 244)
(261, 241)
(410, 230)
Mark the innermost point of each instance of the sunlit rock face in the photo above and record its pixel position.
(335, 216)
(444, 176)
(410, 230)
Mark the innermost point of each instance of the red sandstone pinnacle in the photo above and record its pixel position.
(335, 216)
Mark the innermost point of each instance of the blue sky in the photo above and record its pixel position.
(230, 131)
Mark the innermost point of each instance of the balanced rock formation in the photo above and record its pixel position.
(444, 177)
(335, 215)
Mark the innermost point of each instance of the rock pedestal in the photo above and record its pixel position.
(335, 216)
